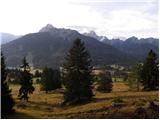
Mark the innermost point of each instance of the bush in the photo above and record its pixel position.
(139, 103)
(117, 100)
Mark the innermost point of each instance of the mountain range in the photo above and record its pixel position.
(49, 46)
(131, 46)
(6, 37)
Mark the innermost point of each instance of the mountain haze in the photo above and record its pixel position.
(6, 37)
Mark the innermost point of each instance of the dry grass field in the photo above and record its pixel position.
(42, 105)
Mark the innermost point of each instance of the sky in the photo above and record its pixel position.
(111, 18)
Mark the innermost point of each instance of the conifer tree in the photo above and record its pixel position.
(77, 74)
(150, 72)
(104, 82)
(26, 81)
(7, 101)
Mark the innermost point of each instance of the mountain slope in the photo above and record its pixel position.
(49, 46)
(135, 47)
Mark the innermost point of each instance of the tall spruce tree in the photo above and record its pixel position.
(77, 74)
(104, 82)
(50, 79)
(7, 101)
(26, 81)
(150, 72)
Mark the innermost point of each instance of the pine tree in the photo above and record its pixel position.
(77, 74)
(50, 79)
(104, 82)
(7, 101)
(26, 81)
(150, 72)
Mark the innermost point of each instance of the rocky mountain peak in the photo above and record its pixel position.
(47, 28)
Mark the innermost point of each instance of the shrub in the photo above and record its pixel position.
(117, 100)
(139, 103)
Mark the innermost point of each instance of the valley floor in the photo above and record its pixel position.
(42, 105)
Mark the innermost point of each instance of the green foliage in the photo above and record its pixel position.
(105, 82)
(50, 79)
(26, 81)
(139, 103)
(117, 100)
(77, 74)
(150, 72)
(7, 102)
(135, 77)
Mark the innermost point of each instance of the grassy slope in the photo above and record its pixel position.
(43, 105)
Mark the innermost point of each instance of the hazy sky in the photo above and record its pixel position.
(111, 18)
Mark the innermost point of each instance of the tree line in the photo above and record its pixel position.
(76, 78)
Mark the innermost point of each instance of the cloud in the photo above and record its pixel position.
(82, 29)
(106, 17)
(126, 17)
(128, 23)
(23, 16)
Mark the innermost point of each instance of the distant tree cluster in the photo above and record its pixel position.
(50, 79)
(104, 82)
(37, 74)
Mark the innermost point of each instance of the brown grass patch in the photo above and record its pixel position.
(42, 105)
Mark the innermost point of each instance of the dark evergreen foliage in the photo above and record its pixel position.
(150, 72)
(77, 74)
(104, 82)
(26, 81)
(7, 101)
(50, 79)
